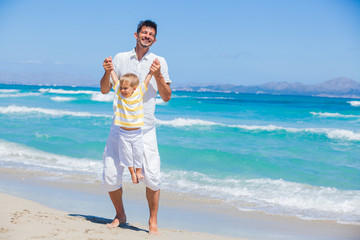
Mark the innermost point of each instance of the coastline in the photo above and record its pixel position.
(180, 216)
(25, 219)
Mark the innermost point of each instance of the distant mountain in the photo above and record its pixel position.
(338, 87)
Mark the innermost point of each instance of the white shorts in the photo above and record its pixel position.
(113, 170)
(131, 148)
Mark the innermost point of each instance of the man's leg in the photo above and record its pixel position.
(116, 198)
(153, 201)
(112, 175)
(152, 177)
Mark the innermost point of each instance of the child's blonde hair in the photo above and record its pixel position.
(131, 78)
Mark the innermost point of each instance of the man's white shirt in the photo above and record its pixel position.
(127, 62)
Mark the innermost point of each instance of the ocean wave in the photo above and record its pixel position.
(62, 99)
(341, 134)
(271, 196)
(99, 97)
(335, 115)
(159, 101)
(180, 96)
(16, 154)
(216, 98)
(62, 91)
(13, 109)
(354, 103)
(183, 122)
(9, 90)
(18, 94)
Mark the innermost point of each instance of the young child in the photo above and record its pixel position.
(130, 117)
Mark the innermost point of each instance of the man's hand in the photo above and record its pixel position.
(155, 68)
(105, 84)
(163, 88)
(108, 65)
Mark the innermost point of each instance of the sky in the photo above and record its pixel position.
(240, 42)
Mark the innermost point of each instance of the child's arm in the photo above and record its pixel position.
(147, 79)
(114, 77)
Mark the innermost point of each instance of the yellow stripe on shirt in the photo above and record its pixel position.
(122, 115)
(131, 102)
(130, 109)
(125, 124)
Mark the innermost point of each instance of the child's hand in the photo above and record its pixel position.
(108, 65)
(155, 67)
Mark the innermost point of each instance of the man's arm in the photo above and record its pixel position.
(163, 87)
(105, 84)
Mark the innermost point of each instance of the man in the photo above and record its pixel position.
(137, 61)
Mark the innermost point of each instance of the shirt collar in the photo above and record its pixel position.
(133, 54)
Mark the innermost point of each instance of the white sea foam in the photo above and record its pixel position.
(180, 96)
(19, 94)
(62, 91)
(12, 154)
(99, 97)
(354, 103)
(159, 101)
(9, 90)
(182, 122)
(217, 98)
(334, 115)
(271, 196)
(62, 99)
(13, 109)
(341, 134)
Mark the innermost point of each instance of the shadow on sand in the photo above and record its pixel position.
(100, 220)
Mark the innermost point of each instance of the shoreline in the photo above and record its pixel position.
(33, 220)
(178, 212)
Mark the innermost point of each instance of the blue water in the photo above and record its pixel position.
(285, 155)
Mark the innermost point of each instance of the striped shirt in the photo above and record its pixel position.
(127, 62)
(129, 111)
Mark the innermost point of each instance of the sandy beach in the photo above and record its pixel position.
(25, 219)
(32, 208)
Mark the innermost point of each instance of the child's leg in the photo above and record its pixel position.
(138, 150)
(133, 175)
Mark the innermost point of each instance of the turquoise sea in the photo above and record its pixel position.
(282, 155)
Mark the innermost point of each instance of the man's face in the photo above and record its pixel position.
(146, 37)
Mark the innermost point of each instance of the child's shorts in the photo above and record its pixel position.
(113, 170)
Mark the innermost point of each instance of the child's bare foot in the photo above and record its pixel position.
(139, 176)
(134, 178)
(133, 175)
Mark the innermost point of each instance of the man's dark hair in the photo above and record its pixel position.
(147, 23)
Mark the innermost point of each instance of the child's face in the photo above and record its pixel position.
(126, 90)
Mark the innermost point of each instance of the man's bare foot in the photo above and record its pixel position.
(116, 222)
(153, 230)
